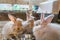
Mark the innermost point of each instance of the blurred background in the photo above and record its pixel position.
(18, 8)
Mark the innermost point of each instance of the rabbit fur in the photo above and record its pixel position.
(46, 30)
(12, 27)
(9, 27)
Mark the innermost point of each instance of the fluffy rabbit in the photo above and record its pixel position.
(47, 30)
(29, 23)
(12, 27)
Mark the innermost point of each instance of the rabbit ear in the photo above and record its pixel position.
(42, 17)
(27, 15)
(11, 17)
(49, 18)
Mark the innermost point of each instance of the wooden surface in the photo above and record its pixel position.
(21, 1)
(4, 16)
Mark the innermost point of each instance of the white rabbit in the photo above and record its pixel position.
(47, 30)
(12, 27)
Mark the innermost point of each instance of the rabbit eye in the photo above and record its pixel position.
(17, 28)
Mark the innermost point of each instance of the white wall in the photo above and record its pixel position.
(46, 7)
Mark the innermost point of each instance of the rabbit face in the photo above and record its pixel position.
(17, 26)
(31, 22)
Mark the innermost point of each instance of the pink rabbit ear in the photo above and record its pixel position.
(42, 17)
(49, 18)
(27, 15)
(11, 17)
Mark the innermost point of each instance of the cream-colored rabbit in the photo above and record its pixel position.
(47, 30)
(29, 23)
(12, 27)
